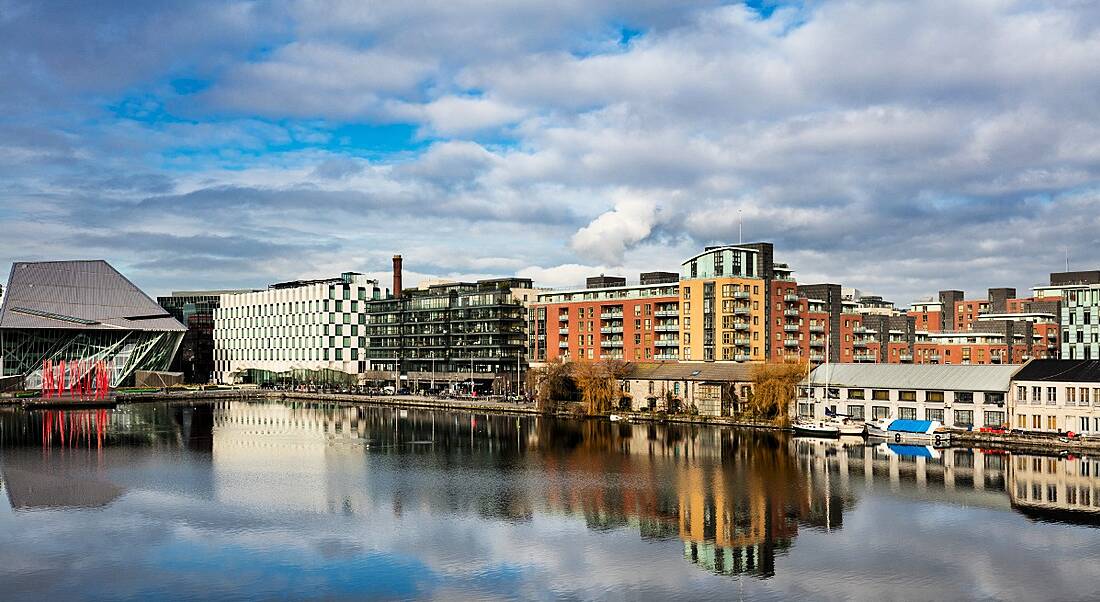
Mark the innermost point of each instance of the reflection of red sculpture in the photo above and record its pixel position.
(81, 378)
(74, 429)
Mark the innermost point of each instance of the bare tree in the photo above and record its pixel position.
(774, 389)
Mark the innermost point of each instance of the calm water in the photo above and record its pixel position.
(248, 500)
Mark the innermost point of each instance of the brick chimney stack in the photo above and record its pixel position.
(397, 276)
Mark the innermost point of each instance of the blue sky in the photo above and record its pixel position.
(897, 147)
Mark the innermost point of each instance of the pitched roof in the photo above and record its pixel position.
(916, 376)
(1061, 371)
(700, 371)
(83, 295)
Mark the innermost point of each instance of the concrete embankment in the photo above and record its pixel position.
(1024, 443)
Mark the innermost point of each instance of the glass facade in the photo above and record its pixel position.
(126, 351)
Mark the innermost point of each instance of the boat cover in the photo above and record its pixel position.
(910, 450)
(910, 426)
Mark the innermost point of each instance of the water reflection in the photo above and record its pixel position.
(731, 503)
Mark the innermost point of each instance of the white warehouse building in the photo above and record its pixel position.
(308, 325)
(956, 395)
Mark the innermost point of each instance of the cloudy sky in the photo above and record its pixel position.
(900, 147)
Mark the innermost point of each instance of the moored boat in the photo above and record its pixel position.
(818, 428)
(910, 431)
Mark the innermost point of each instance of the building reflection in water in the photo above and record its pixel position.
(734, 501)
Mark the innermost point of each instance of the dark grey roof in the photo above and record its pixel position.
(1061, 371)
(701, 371)
(85, 295)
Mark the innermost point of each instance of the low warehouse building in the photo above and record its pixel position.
(1057, 396)
(958, 396)
(711, 389)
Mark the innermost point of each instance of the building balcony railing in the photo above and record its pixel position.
(791, 313)
(741, 326)
(741, 357)
(741, 295)
(790, 298)
(667, 343)
(611, 343)
(741, 311)
(667, 357)
(741, 342)
(817, 328)
(935, 357)
(861, 330)
(667, 313)
(611, 315)
(790, 342)
(865, 357)
(817, 342)
(563, 317)
(564, 331)
(859, 344)
(905, 357)
(563, 344)
(667, 328)
(610, 329)
(791, 328)
(817, 357)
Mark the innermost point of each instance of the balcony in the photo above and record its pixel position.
(859, 344)
(861, 330)
(667, 343)
(791, 313)
(791, 298)
(741, 311)
(906, 358)
(666, 357)
(742, 326)
(791, 328)
(741, 342)
(935, 357)
(667, 313)
(563, 344)
(611, 343)
(817, 342)
(817, 328)
(741, 357)
(611, 329)
(741, 295)
(865, 357)
(667, 328)
(563, 317)
(790, 342)
(817, 357)
(563, 331)
(611, 315)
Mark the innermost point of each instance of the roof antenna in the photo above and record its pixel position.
(740, 223)
(1067, 259)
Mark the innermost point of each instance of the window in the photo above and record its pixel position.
(994, 418)
(964, 418)
(908, 396)
(995, 398)
(1052, 395)
(1052, 423)
(856, 412)
(930, 414)
(907, 413)
(859, 393)
(963, 397)
(806, 410)
(880, 395)
(880, 412)
(1071, 396)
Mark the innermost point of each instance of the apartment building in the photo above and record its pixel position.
(1079, 312)
(725, 303)
(298, 326)
(608, 319)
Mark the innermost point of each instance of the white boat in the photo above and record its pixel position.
(818, 428)
(617, 418)
(850, 428)
(910, 431)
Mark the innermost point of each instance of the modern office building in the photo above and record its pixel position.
(82, 312)
(195, 310)
(639, 323)
(460, 334)
(304, 330)
(1079, 312)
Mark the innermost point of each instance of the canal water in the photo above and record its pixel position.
(264, 500)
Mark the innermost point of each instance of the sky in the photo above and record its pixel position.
(898, 147)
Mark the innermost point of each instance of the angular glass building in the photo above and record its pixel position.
(81, 311)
